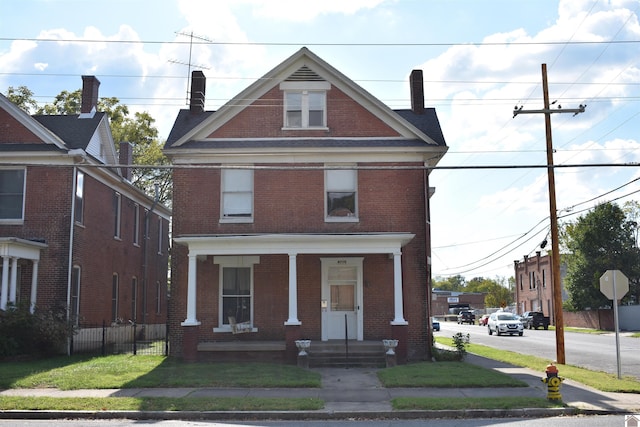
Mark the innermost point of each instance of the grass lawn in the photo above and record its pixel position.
(159, 404)
(127, 371)
(446, 375)
(441, 403)
(598, 380)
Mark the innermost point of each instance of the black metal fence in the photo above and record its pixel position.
(131, 338)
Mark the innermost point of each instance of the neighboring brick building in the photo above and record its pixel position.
(534, 284)
(301, 206)
(72, 226)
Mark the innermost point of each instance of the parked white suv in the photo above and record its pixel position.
(503, 322)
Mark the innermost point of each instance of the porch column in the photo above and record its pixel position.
(293, 292)
(34, 285)
(191, 293)
(13, 282)
(397, 291)
(4, 292)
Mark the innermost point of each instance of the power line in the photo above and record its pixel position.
(227, 43)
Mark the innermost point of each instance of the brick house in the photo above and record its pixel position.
(74, 232)
(301, 211)
(534, 284)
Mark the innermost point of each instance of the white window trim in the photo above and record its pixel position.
(304, 88)
(80, 180)
(238, 219)
(17, 221)
(234, 261)
(356, 216)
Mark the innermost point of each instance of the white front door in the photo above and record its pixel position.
(342, 298)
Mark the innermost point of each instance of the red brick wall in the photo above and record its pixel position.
(264, 119)
(13, 132)
(46, 217)
(49, 193)
(289, 201)
(117, 255)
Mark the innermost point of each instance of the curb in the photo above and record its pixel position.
(305, 415)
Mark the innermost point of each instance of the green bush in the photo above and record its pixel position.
(460, 342)
(42, 333)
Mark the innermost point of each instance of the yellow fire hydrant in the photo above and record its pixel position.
(553, 382)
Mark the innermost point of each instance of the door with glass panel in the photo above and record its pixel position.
(341, 298)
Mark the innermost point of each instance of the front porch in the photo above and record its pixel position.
(332, 353)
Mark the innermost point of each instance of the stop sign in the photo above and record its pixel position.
(613, 278)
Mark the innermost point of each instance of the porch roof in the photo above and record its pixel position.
(343, 243)
(21, 248)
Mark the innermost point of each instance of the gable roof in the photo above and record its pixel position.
(76, 133)
(304, 66)
(40, 131)
(89, 133)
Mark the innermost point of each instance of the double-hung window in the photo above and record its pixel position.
(117, 208)
(341, 194)
(79, 207)
(74, 308)
(305, 105)
(236, 290)
(237, 195)
(12, 188)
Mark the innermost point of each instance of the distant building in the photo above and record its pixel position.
(534, 284)
(449, 302)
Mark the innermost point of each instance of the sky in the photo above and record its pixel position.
(480, 58)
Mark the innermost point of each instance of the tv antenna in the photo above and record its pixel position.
(189, 64)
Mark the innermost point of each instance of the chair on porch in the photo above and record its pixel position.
(239, 328)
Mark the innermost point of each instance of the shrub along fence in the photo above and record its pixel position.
(150, 339)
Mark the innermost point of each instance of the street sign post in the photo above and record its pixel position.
(615, 285)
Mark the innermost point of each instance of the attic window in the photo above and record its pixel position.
(305, 104)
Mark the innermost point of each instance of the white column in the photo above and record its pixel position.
(191, 293)
(293, 292)
(4, 292)
(397, 291)
(13, 282)
(34, 284)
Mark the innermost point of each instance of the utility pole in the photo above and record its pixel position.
(553, 213)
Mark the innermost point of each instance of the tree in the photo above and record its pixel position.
(22, 97)
(138, 130)
(497, 295)
(453, 283)
(601, 240)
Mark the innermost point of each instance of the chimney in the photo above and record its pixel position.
(417, 92)
(90, 85)
(198, 86)
(126, 158)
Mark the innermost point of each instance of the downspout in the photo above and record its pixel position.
(71, 236)
(427, 242)
(146, 258)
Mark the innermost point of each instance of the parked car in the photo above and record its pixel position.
(436, 324)
(483, 320)
(503, 322)
(466, 316)
(535, 319)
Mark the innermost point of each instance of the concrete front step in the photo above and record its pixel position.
(351, 354)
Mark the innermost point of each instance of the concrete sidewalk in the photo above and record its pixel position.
(353, 393)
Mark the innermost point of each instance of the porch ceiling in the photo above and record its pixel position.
(366, 243)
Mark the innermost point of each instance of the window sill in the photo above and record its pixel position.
(11, 222)
(342, 219)
(227, 330)
(307, 128)
(243, 220)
